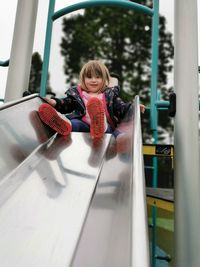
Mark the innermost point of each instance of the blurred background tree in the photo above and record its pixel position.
(35, 75)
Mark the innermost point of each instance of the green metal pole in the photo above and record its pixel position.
(94, 3)
(154, 70)
(47, 48)
(154, 113)
(4, 63)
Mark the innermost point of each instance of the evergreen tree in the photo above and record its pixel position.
(122, 39)
(35, 75)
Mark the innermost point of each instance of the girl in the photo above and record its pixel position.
(91, 106)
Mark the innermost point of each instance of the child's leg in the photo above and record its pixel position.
(96, 112)
(79, 126)
(109, 129)
(54, 119)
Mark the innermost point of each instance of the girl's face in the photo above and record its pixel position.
(94, 84)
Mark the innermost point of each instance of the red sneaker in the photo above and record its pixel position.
(96, 112)
(54, 119)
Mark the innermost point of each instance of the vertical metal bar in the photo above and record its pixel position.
(154, 237)
(155, 162)
(154, 65)
(21, 51)
(154, 81)
(154, 113)
(187, 179)
(47, 48)
(154, 209)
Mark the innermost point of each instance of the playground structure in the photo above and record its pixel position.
(186, 143)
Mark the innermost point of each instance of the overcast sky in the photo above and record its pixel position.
(7, 20)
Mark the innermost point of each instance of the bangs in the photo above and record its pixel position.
(93, 70)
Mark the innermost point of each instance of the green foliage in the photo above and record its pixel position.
(35, 75)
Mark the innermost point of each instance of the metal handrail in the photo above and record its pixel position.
(94, 3)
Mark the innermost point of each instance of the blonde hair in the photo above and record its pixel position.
(94, 68)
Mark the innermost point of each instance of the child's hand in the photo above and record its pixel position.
(50, 101)
(142, 108)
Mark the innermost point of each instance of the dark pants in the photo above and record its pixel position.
(81, 126)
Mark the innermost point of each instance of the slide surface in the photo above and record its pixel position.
(63, 199)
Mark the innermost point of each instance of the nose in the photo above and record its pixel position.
(94, 79)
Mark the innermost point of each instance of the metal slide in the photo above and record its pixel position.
(65, 201)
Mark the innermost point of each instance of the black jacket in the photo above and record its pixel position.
(73, 106)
